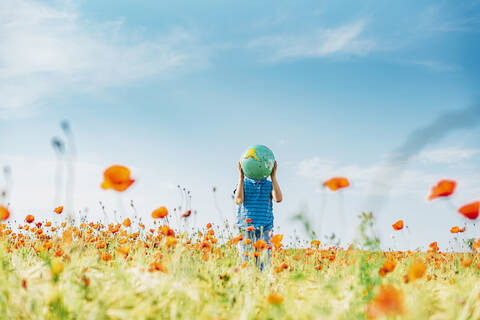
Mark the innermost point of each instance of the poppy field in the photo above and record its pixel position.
(60, 268)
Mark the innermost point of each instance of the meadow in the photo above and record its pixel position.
(127, 271)
(60, 268)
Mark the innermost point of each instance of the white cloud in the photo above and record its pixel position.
(46, 50)
(437, 66)
(450, 155)
(319, 43)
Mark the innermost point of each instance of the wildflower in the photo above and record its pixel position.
(157, 266)
(160, 213)
(274, 298)
(244, 265)
(276, 240)
(117, 177)
(387, 266)
(417, 270)
(388, 301)
(260, 245)
(457, 229)
(187, 214)
(4, 213)
(124, 250)
(250, 228)
(127, 223)
(466, 262)
(106, 256)
(58, 210)
(56, 267)
(444, 188)
(398, 225)
(470, 210)
(476, 245)
(29, 218)
(209, 225)
(67, 236)
(335, 184)
(248, 220)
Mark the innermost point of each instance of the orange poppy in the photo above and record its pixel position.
(250, 228)
(470, 210)
(127, 223)
(4, 213)
(274, 298)
(337, 183)
(260, 245)
(398, 225)
(388, 301)
(444, 188)
(417, 270)
(58, 210)
(457, 229)
(248, 220)
(276, 240)
(117, 177)
(161, 212)
(29, 218)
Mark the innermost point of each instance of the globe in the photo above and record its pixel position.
(257, 162)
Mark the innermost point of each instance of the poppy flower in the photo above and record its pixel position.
(260, 245)
(417, 270)
(457, 229)
(117, 177)
(470, 210)
(29, 218)
(187, 214)
(4, 213)
(337, 183)
(388, 301)
(398, 225)
(444, 188)
(248, 220)
(274, 298)
(276, 240)
(161, 212)
(58, 210)
(127, 223)
(250, 228)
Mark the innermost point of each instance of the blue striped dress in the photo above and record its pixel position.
(257, 204)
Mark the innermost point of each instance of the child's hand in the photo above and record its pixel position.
(240, 170)
(274, 171)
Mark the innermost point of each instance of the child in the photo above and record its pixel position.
(254, 200)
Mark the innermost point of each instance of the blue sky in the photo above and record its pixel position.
(177, 91)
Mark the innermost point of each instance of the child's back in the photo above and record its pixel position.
(256, 205)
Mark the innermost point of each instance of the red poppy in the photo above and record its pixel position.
(250, 228)
(457, 229)
(470, 210)
(29, 218)
(337, 183)
(444, 188)
(398, 225)
(58, 210)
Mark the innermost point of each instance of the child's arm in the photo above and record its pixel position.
(239, 192)
(276, 193)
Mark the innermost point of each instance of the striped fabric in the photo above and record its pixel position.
(257, 204)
